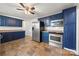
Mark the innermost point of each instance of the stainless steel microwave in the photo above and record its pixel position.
(57, 23)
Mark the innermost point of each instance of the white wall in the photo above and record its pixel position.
(77, 30)
(27, 26)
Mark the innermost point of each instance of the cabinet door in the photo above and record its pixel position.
(69, 15)
(18, 35)
(70, 36)
(8, 36)
(46, 20)
(2, 21)
(10, 22)
(19, 23)
(45, 37)
(5, 37)
(57, 16)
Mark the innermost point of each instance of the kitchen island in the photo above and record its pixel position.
(10, 35)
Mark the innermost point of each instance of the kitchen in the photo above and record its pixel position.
(55, 31)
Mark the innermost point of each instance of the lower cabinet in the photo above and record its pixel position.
(70, 36)
(6, 37)
(45, 37)
(18, 35)
(10, 36)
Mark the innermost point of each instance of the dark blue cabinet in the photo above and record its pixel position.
(45, 37)
(18, 35)
(4, 37)
(19, 23)
(57, 16)
(70, 15)
(47, 20)
(7, 37)
(70, 36)
(69, 40)
(8, 21)
(10, 36)
(2, 21)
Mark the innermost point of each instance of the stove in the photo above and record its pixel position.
(55, 39)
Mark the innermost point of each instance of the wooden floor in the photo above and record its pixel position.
(27, 47)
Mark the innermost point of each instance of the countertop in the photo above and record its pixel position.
(1, 31)
(54, 32)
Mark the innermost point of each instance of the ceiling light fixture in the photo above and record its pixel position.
(27, 9)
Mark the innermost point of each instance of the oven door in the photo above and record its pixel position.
(56, 38)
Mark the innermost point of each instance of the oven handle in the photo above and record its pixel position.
(56, 35)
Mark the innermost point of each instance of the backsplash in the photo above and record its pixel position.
(60, 29)
(10, 28)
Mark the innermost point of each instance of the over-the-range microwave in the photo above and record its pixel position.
(57, 23)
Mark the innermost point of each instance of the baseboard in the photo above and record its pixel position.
(74, 51)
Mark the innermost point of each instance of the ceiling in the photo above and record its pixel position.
(42, 9)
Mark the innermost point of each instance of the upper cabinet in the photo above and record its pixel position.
(19, 23)
(2, 21)
(69, 15)
(57, 16)
(8, 21)
(47, 20)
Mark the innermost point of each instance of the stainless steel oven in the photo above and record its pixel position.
(55, 39)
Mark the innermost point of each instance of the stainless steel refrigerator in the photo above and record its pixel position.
(37, 28)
